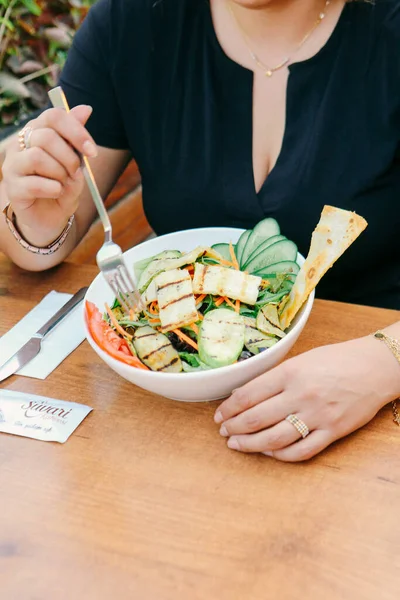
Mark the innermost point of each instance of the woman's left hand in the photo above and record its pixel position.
(334, 390)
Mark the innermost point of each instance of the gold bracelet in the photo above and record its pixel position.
(394, 347)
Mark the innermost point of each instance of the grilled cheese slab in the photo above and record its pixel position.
(176, 301)
(221, 281)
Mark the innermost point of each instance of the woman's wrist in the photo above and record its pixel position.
(384, 365)
(43, 238)
(38, 242)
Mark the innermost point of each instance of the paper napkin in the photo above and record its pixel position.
(57, 345)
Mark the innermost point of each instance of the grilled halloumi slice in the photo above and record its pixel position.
(166, 264)
(156, 351)
(221, 281)
(176, 301)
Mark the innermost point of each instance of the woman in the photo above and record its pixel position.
(235, 110)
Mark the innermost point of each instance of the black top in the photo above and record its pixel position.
(162, 86)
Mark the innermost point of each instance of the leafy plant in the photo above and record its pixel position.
(34, 39)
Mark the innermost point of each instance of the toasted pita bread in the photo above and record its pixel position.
(336, 231)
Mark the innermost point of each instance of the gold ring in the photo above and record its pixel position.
(299, 425)
(24, 137)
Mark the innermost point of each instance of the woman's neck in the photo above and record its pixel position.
(276, 22)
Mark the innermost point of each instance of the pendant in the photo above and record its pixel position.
(268, 73)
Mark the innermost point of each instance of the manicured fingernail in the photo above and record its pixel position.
(78, 173)
(89, 149)
(233, 444)
(218, 418)
(268, 453)
(223, 431)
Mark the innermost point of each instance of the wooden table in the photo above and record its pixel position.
(145, 502)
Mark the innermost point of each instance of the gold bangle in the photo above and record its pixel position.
(394, 347)
(50, 249)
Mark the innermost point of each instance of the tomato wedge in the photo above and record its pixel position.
(108, 340)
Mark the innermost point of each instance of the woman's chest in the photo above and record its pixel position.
(250, 148)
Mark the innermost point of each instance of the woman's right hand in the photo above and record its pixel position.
(43, 183)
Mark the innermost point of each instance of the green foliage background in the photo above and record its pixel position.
(34, 39)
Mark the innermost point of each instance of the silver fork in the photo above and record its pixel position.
(109, 258)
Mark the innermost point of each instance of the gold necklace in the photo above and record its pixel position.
(269, 71)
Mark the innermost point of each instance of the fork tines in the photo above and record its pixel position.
(124, 289)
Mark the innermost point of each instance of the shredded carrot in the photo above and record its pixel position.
(131, 315)
(116, 325)
(219, 301)
(200, 317)
(185, 338)
(195, 328)
(227, 263)
(153, 308)
(265, 282)
(189, 268)
(237, 306)
(228, 301)
(233, 256)
(154, 320)
(200, 298)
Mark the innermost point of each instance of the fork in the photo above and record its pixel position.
(109, 258)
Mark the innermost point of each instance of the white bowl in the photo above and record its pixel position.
(205, 385)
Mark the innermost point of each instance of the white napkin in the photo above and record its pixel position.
(57, 345)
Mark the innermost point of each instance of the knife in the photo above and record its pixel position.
(32, 347)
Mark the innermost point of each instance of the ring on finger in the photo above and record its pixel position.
(24, 137)
(299, 425)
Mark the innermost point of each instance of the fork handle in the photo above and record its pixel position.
(59, 100)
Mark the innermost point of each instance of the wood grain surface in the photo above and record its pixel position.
(145, 502)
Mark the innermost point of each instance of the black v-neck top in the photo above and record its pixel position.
(162, 86)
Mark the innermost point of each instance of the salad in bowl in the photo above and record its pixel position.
(233, 304)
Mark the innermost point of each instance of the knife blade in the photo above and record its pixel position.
(33, 346)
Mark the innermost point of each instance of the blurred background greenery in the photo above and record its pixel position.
(34, 39)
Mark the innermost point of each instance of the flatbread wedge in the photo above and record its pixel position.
(336, 231)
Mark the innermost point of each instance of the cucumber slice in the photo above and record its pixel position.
(285, 266)
(221, 337)
(283, 250)
(264, 246)
(261, 232)
(223, 250)
(241, 244)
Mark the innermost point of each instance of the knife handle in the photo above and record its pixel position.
(60, 314)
